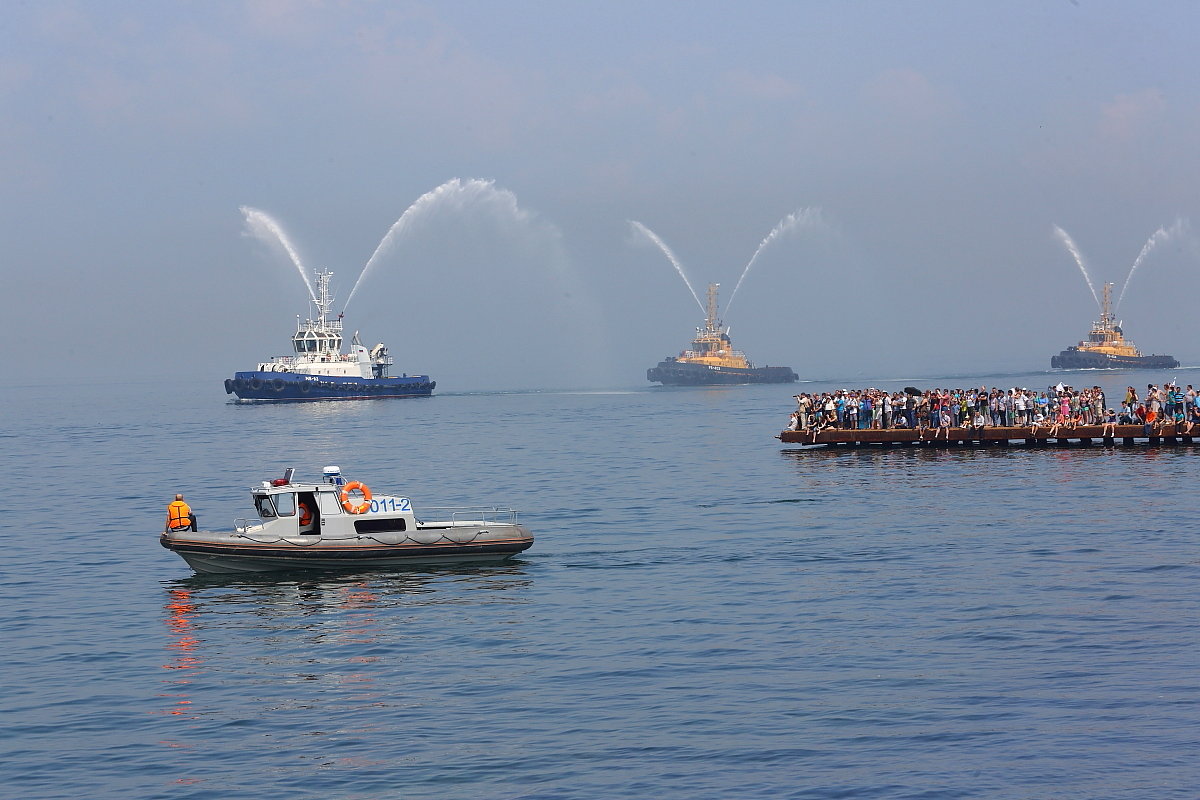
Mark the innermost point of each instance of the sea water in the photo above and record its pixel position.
(705, 613)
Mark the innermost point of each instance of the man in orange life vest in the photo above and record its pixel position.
(180, 516)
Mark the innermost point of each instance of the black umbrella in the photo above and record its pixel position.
(911, 390)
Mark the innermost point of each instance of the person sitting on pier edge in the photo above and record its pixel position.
(180, 516)
(1109, 428)
(1146, 416)
(1193, 416)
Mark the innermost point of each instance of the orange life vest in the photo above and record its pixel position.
(305, 514)
(179, 516)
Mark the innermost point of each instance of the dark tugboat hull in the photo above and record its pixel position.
(298, 387)
(680, 373)
(1079, 359)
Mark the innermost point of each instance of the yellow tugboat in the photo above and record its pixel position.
(1106, 347)
(712, 359)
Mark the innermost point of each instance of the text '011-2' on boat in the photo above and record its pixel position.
(712, 361)
(339, 525)
(319, 370)
(1107, 348)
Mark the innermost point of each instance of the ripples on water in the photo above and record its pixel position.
(704, 613)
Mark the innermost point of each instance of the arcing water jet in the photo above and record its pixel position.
(260, 225)
(653, 237)
(804, 216)
(454, 193)
(1065, 238)
(1159, 236)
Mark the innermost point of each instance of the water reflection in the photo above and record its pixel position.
(321, 655)
(924, 469)
(184, 646)
(911, 456)
(286, 594)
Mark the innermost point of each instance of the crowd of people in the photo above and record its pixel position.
(1057, 407)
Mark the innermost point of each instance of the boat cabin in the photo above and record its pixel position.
(316, 509)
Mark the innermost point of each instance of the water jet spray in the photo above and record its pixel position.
(1065, 238)
(653, 237)
(261, 225)
(803, 216)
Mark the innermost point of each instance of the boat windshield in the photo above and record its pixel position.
(266, 509)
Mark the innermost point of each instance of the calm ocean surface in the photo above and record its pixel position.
(705, 613)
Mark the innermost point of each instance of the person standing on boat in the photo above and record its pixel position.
(180, 516)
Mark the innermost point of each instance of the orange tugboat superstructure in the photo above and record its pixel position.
(1107, 348)
(712, 359)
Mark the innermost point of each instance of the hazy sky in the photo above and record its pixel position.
(941, 143)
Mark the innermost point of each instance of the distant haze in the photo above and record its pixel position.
(934, 158)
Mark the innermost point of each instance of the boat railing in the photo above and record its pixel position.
(332, 358)
(463, 515)
(700, 354)
(243, 525)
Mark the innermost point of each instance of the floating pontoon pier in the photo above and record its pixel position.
(1004, 436)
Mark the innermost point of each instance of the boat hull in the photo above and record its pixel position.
(682, 373)
(1081, 359)
(229, 554)
(299, 387)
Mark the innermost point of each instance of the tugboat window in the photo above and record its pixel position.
(265, 509)
(285, 504)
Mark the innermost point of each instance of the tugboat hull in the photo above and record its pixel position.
(1079, 359)
(681, 373)
(297, 387)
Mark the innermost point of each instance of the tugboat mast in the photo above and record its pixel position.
(1104, 332)
(324, 299)
(711, 323)
(1106, 312)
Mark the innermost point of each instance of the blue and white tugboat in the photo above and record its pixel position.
(319, 370)
(339, 525)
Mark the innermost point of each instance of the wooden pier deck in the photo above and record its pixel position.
(1033, 436)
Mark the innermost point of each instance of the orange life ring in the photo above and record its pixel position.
(362, 507)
